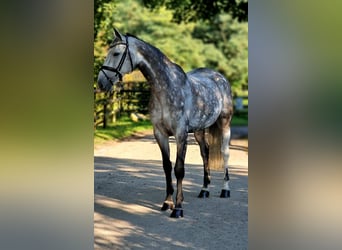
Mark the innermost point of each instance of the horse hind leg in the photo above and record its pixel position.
(225, 192)
(204, 148)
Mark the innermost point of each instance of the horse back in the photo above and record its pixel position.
(211, 94)
(210, 79)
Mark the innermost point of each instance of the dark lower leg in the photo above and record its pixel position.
(179, 172)
(206, 175)
(169, 188)
(163, 142)
(204, 148)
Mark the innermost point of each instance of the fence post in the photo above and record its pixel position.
(123, 100)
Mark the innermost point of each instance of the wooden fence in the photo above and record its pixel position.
(127, 98)
(134, 97)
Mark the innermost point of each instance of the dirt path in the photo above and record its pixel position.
(130, 188)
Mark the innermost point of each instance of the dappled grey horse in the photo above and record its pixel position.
(180, 103)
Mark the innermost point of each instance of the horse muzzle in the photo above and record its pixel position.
(103, 83)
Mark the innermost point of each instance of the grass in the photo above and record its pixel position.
(122, 128)
(241, 120)
(125, 127)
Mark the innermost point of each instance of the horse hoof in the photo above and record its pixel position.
(176, 213)
(167, 206)
(203, 194)
(225, 193)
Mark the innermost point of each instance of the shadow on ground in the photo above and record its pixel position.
(128, 196)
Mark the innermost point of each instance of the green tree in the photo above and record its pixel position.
(194, 10)
(231, 39)
(220, 43)
(175, 40)
(101, 14)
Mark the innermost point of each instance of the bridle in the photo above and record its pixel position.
(122, 60)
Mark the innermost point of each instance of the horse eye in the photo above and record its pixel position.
(116, 54)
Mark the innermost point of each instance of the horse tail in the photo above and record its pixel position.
(215, 143)
(219, 140)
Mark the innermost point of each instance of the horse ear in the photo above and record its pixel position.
(117, 35)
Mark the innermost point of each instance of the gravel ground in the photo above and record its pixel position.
(129, 189)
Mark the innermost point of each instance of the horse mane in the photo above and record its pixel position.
(134, 36)
(131, 35)
(157, 50)
(151, 46)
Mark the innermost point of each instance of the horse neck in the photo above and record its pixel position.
(157, 68)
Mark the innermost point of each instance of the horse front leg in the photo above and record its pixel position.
(200, 138)
(179, 172)
(163, 142)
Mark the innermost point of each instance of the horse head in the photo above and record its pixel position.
(118, 62)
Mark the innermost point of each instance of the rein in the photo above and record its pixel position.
(118, 68)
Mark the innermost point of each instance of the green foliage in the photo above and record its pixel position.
(195, 10)
(219, 42)
(102, 14)
(103, 19)
(241, 120)
(229, 38)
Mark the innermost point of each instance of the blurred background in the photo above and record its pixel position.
(47, 119)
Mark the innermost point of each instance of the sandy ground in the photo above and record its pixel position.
(130, 188)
